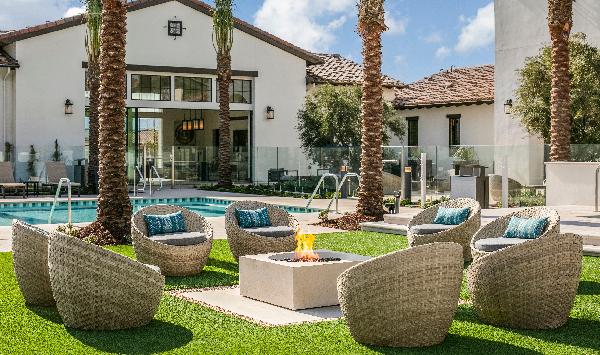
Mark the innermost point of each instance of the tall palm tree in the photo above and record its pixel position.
(371, 25)
(92, 45)
(223, 42)
(560, 21)
(114, 206)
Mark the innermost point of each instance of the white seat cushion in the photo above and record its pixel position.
(180, 239)
(494, 244)
(424, 229)
(272, 231)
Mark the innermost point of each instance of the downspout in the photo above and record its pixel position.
(4, 102)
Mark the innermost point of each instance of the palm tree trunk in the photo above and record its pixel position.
(371, 26)
(560, 20)
(114, 206)
(94, 87)
(223, 80)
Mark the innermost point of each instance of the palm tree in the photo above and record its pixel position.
(92, 46)
(560, 21)
(114, 206)
(223, 42)
(371, 25)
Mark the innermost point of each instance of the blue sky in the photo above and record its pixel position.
(424, 36)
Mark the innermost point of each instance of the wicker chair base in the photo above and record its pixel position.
(404, 299)
(96, 289)
(30, 256)
(528, 286)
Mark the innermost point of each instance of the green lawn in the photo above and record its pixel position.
(187, 328)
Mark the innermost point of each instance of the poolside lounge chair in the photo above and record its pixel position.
(30, 256)
(280, 237)
(531, 285)
(490, 237)
(56, 170)
(7, 179)
(96, 289)
(180, 254)
(421, 229)
(404, 299)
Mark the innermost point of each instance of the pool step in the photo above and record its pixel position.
(383, 227)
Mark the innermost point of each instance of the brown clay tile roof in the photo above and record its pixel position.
(455, 87)
(133, 5)
(7, 61)
(338, 70)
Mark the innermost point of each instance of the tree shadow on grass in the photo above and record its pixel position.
(588, 288)
(577, 332)
(224, 264)
(158, 336)
(48, 313)
(207, 278)
(457, 344)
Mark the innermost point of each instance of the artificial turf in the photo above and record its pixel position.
(186, 328)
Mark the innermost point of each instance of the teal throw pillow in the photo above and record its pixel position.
(451, 216)
(164, 224)
(253, 218)
(525, 228)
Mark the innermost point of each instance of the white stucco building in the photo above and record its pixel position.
(521, 31)
(170, 79)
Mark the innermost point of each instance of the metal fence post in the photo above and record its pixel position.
(423, 179)
(505, 181)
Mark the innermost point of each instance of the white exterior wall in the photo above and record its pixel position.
(476, 124)
(51, 72)
(521, 30)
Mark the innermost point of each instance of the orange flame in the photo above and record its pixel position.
(304, 247)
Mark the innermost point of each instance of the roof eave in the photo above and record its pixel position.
(405, 107)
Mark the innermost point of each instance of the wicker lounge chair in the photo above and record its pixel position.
(403, 299)
(245, 242)
(173, 260)
(530, 285)
(96, 289)
(30, 256)
(7, 180)
(460, 234)
(56, 170)
(496, 228)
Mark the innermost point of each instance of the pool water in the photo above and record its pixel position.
(85, 211)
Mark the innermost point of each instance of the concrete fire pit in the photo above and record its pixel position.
(294, 285)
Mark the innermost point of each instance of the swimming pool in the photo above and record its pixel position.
(85, 211)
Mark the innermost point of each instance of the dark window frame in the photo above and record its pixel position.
(410, 141)
(453, 130)
(161, 90)
(204, 87)
(246, 88)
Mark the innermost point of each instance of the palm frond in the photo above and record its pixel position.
(93, 16)
(223, 22)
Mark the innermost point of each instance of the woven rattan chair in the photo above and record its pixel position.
(96, 289)
(30, 255)
(242, 242)
(403, 299)
(460, 234)
(530, 285)
(173, 260)
(497, 227)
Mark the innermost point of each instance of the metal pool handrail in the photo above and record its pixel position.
(310, 200)
(60, 183)
(339, 188)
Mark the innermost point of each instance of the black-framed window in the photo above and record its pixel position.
(453, 130)
(413, 131)
(240, 91)
(150, 87)
(193, 89)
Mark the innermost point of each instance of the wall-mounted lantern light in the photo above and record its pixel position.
(508, 107)
(187, 124)
(270, 113)
(68, 107)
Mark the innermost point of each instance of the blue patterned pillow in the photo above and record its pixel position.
(451, 216)
(166, 223)
(253, 218)
(525, 228)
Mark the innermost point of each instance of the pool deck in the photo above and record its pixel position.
(574, 219)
